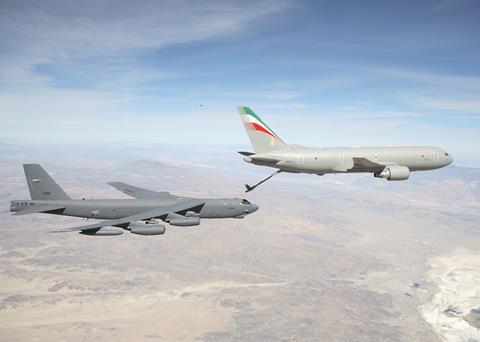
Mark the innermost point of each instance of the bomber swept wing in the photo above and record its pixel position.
(160, 213)
(141, 193)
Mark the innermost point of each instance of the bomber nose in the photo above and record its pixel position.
(254, 208)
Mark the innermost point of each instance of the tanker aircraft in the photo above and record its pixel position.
(140, 216)
(391, 163)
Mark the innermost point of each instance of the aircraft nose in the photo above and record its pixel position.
(449, 159)
(254, 208)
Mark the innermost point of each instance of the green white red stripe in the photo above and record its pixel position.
(253, 123)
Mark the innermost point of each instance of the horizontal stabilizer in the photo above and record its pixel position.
(246, 154)
(40, 209)
(264, 160)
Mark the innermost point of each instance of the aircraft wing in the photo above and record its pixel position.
(40, 209)
(159, 213)
(366, 165)
(140, 193)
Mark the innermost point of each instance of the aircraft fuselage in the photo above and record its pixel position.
(341, 159)
(118, 208)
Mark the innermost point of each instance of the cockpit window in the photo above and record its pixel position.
(245, 202)
(446, 154)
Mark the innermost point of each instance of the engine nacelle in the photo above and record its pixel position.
(183, 221)
(393, 173)
(146, 229)
(105, 231)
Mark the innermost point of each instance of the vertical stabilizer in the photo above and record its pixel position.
(263, 138)
(41, 185)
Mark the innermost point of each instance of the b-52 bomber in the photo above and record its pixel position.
(141, 215)
(390, 163)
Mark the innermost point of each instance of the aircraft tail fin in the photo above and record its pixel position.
(41, 185)
(262, 137)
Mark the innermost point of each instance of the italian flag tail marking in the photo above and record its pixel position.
(253, 122)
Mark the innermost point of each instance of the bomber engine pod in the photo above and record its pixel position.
(393, 173)
(146, 229)
(105, 231)
(186, 222)
(182, 221)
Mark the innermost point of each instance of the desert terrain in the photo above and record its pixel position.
(338, 257)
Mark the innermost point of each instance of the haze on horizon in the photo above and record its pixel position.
(101, 91)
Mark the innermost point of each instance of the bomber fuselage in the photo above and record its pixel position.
(118, 208)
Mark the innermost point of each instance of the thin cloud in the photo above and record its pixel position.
(34, 33)
(445, 104)
(69, 32)
(439, 79)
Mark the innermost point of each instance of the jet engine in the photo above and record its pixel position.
(183, 221)
(146, 229)
(393, 173)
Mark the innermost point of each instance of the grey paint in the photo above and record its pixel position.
(41, 185)
(271, 151)
(120, 210)
(341, 160)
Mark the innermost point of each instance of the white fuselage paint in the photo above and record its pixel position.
(340, 159)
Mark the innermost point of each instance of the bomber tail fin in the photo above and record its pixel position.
(262, 138)
(41, 185)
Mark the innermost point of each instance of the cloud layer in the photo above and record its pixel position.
(109, 70)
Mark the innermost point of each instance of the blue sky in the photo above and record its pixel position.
(321, 73)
